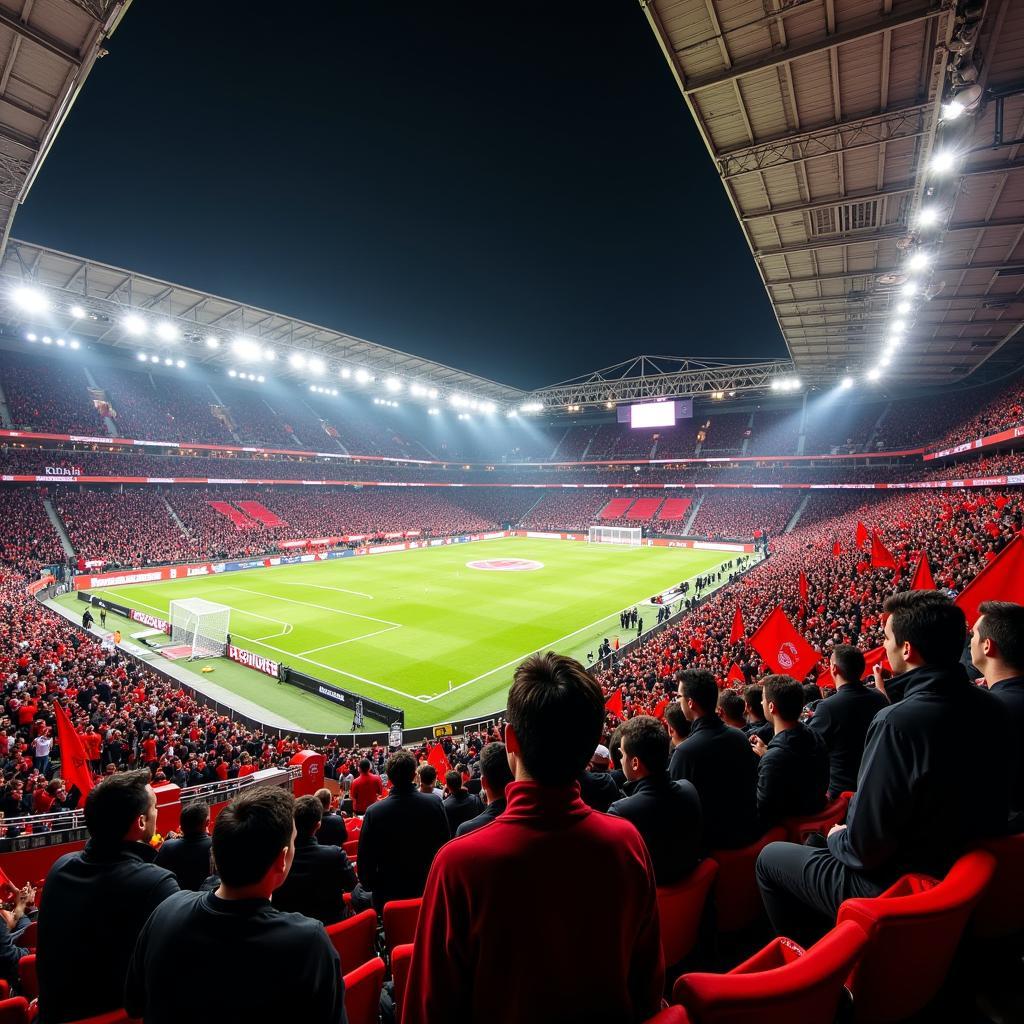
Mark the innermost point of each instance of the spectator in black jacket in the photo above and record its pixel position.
(597, 787)
(731, 709)
(720, 764)
(97, 901)
(10, 951)
(235, 932)
(333, 831)
(997, 652)
(320, 875)
(934, 778)
(495, 775)
(757, 724)
(842, 720)
(459, 805)
(188, 858)
(666, 812)
(793, 774)
(399, 838)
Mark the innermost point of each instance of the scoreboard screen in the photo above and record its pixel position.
(656, 414)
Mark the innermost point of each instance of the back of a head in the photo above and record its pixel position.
(645, 738)
(324, 796)
(731, 704)
(811, 692)
(453, 780)
(1003, 623)
(115, 803)
(364, 765)
(428, 774)
(850, 662)
(194, 818)
(930, 622)
(309, 812)
(401, 769)
(494, 766)
(250, 834)
(700, 686)
(556, 711)
(676, 720)
(786, 694)
(754, 698)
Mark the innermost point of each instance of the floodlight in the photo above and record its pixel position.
(943, 162)
(927, 216)
(77, 312)
(874, 373)
(918, 261)
(166, 331)
(180, 364)
(212, 341)
(297, 359)
(30, 300)
(393, 384)
(846, 383)
(316, 365)
(154, 359)
(269, 355)
(134, 324)
(362, 376)
(903, 307)
(245, 348)
(75, 343)
(345, 373)
(30, 336)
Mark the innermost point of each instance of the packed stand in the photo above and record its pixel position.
(48, 395)
(28, 540)
(565, 510)
(745, 513)
(1003, 410)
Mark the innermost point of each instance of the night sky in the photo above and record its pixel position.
(515, 190)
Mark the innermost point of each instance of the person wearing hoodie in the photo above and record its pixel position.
(935, 778)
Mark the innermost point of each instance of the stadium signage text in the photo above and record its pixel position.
(150, 620)
(250, 660)
(63, 470)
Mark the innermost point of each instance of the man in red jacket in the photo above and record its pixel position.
(548, 913)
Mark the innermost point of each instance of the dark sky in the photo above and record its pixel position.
(514, 189)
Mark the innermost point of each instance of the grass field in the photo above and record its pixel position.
(419, 629)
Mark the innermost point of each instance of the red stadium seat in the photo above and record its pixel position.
(798, 829)
(736, 895)
(29, 981)
(355, 939)
(362, 992)
(1000, 911)
(915, 927)
(14, 1011)
(400, 917)
(782, 984)
(351, 847)
(401, 958)
(27, 939)
(681, 909)
(114, 1017)
(671, 1015)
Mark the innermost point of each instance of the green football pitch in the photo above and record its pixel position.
(420, 629)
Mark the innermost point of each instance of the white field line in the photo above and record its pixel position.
(309, 604)
(352, 640)
(318, 586)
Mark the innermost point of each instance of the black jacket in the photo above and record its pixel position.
(461, 807)
(1010, 693)
(317, 883)
(397, 843)
(935, 777)
(792, 777)
(763, 730)
(188, 859)
(485, 817)
(598, 790)
(286, 967)
(333, 830)
(96, 902)
(667, 814)
(718, 760)
(842, 721)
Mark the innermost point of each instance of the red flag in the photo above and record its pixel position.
(697, 643)
(1001, 580)
(782, 647)
(872, 658)
(615, 643)
(738, 627)
(922, 575)
(614, 705)
(74, 766)
(837, 549)
(439, 759)
(659, 708)
(735, 676)
(804, 588)
(8, 890)
(881, 556)
(862, 534)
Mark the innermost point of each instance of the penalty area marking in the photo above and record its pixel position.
(320, 586)
(351, 640)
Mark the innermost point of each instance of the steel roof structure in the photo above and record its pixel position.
(824, 119)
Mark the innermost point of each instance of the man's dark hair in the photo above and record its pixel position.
(309, 812)
(849, 661)
(453, 780)
(324, 796)
(401, 768)
(1003, 624)
(811, 692)
(250, 834)
(699, 686)
(754, 698)
(674, 717)
(364, 765)
(113, 805)
(427, 773)
(615, 747)
(930, 622)
(731, 704)
(556, 711)
(786, 694)
(644, 738)
(194, 817)
(494, 767)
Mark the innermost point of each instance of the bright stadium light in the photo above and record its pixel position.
(345, 373)
(61, 343)
(154, 359)
(168, 362)
(885, 359)
(874, 373)
(30, 300)
(846, 383)
(432, 394)
(30, 337)
(134, 324)
(918, 261)
(75, 343)
(942, 162)
(212, 341)
(487, 407)
(532, 407)
(245, 348)
(269, 355)
(232, 373)
(362, 376)
(898, 326)
(316, 365)
(166, 331)
(261, 378)
(910, 289)
(47, 340)
(180, 364)
(77, 312)
(393, 384)
(434, 412)
(903, 308)
(297, 359)
(928, 216)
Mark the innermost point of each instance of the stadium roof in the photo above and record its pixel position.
(49, 48)
(824, 119)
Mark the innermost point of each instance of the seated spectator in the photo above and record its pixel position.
(188, 857)
(934, 778)
(719, 762)
(997, 651)
(597, 788)
(757, 724)
(97, 901)
(731, 707)
(320, 875)
(589, 957)
(10, 951)
(793, 774)
(235, 932)
(366, 788)
(842, 720)
(399, 839)
(459, 805)
(666, 812)
(495, 776)
(426, 775)
(333, 831)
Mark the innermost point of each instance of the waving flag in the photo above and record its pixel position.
(922, 575)
(439, 759)
(862, 534)
(881, 556)
(735, 677)
(614, 705)
(782, 648)
(1001, 580)
(74, 767)
(738, 628)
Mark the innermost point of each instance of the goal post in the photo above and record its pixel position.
(631, 536)
(202, 625)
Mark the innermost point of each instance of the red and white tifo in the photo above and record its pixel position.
(506, 565)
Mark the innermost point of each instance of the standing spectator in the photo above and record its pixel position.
(235, 931)
(597, 788)
(97, 901)
(731, 709)
(495, 777)
(459, 805)
(580, 957)
(188, 857)
(757, 724)
(333, 831)
(366, 789)
(426, 773)
(41, 747)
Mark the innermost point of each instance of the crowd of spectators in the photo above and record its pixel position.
(1002, 410)
(745, 513)
(565, 510)
(28, 538)
(48, 395)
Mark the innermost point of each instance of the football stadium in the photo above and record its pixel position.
(326, 654)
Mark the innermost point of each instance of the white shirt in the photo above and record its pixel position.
(42, 746)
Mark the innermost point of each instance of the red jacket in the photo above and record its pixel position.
(549, 913)
(365, 790)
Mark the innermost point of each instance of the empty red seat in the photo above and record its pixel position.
(401, 958)
(351, 847)
(355, 939)
(681, 908)
(362, 992)
(798, 829)
(737, 898)
(782, 984)
(1000, 911)
(14, 1011)
(914, 929)
(27, 978)
(400, 917)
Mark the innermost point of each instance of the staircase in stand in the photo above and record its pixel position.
(241, 521)
(258, 511)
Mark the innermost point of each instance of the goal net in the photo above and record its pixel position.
(201, 625)
(628, 535)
